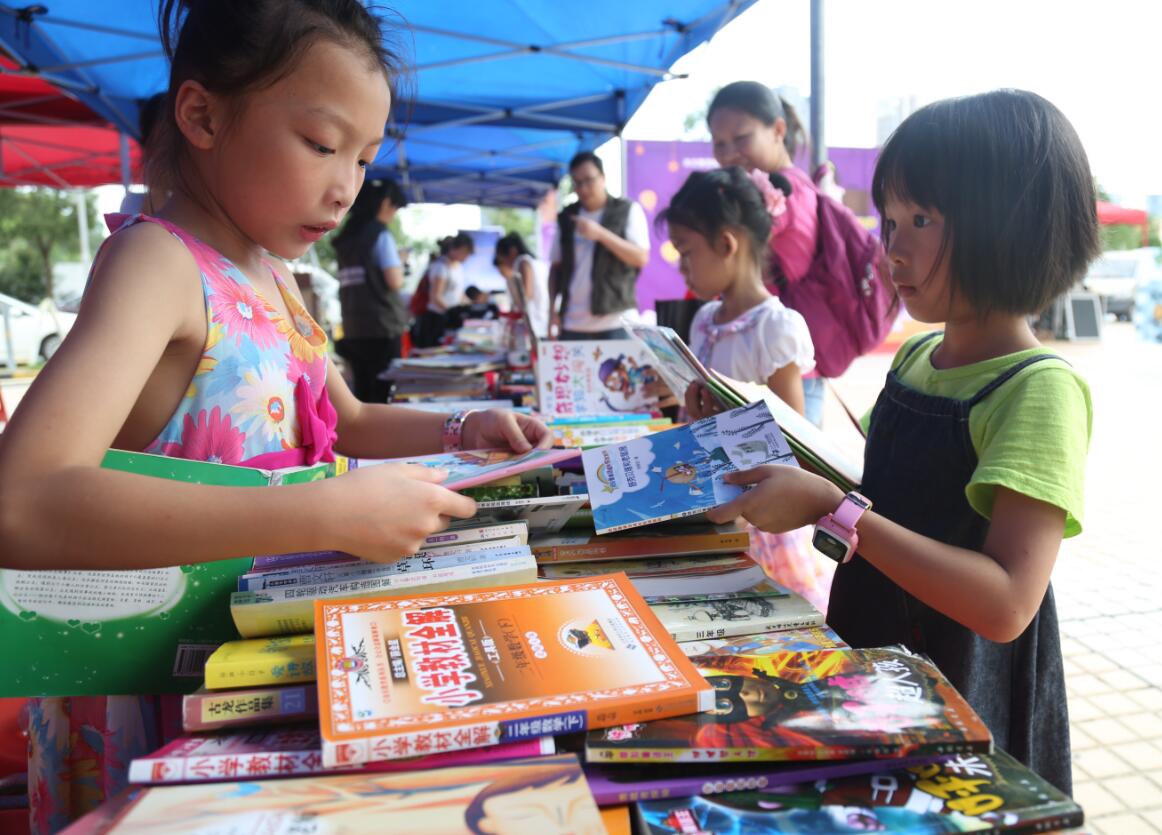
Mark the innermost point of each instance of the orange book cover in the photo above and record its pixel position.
(401, 677)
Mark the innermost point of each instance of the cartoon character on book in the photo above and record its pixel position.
(623, 376)
(702, 467)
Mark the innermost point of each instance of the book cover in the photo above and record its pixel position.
(541, 515)
(789, 640)
(548, 794)
(76, 633)
(290, 610)
(679, 472)
(207, 710)
(589, 377)
(470, 553)
(461, 670)
(585, 435)
(291, 751)
(679, 579)
(965, 793)
(695, 620)
(827, 705)
(283, 660)
(471, 467)
(654, 541)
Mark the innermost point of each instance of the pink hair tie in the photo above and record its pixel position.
(773, 199)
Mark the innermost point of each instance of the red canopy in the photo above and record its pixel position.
(1109, 214)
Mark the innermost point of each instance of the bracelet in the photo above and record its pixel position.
(453, 435)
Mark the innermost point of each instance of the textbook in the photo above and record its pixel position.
(591, 377)
(585, 435)
(806, 639)
(679, 367)
(698, 619)
(288, 751)
(284, 660)
(208, 710)
(966, 793)
(661, 540)
(672, 579)
(290, 610)
(77, 633)
(485, 797)
(679, 472)
(837, 704)
(452, 671)
(480, 466)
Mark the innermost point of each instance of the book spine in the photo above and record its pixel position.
(274, 562)
(291, 611)
(217, 767)
(682, 632)
(258, 672)
(212, 711)
(638, 523)
(461, 736)
(888, 754)
(643, 548)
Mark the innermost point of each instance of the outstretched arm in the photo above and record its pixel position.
(628, 253)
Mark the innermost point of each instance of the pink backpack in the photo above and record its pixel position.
(846, 295)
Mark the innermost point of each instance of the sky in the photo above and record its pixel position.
(1096, 61)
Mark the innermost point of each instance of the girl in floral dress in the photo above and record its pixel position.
(193, 342)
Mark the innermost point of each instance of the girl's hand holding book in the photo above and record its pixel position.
(701, 402)
(386, 512)
(781, 498)
(505, 429)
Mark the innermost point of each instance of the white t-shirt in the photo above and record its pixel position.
(578, 316)
(755, 345)
(453, 274)
(538, 302)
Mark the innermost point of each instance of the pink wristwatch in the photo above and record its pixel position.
(835, 535)
(453, 433)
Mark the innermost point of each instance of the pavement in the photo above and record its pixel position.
(1108, 580)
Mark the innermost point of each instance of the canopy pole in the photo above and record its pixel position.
(9, 342)
(83, 225)
(818, 137)
(126, 175)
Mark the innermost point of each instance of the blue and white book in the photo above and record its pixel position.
(680, 472)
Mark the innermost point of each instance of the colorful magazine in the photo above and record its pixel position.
(826, 705)
(965, 793)
(698, 619)
(680, 472)
(480, 466)
(789, 640)
(452, 671)
(291, 751)
(590, 377)
(547, 793)
(665, 580)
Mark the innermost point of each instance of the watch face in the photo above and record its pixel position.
(829, 545)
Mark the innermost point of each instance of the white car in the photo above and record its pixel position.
(37, 331)
(1118, 273)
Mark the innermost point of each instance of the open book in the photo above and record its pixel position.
(678, 366)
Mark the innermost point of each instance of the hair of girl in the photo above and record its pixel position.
(234, 48)
(461, 240)
(368, 202)
(759, 101)
(1010, 177)
(512, 241)
(725, 198)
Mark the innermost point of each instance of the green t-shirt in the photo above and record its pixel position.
(1031, 435)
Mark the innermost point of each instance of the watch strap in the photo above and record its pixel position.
(850, 509)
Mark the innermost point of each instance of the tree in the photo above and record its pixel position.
(521, 221)
(41, 225)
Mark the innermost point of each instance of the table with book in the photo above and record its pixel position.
(586, 655)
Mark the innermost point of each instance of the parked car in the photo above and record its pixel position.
(37, 331)
(1117, 274)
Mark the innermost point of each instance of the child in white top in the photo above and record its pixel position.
(719, 223)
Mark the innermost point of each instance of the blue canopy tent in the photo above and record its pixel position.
(505, 92)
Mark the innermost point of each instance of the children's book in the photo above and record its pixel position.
(826, 705)
(252, 663)
(585, 435)
(789, 640)
(547, 793)
(450, 365)
(76, 633)
(680, 472)
(452, 671)
(659, 540)
(673, 579)
(291, 751)
(698, 619)
(616, 819)
(290, 610)
(679, 367)
(542, 515)
(964, 793)
(589, 377)
(207, 710)
(613, 783)
(448, 406)
(471, 467)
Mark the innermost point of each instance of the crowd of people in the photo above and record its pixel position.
(975, 448)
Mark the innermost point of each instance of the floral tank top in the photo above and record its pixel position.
(258, 397)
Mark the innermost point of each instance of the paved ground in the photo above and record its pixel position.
(1108, 580)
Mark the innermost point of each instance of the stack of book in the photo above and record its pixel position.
(448, 375)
